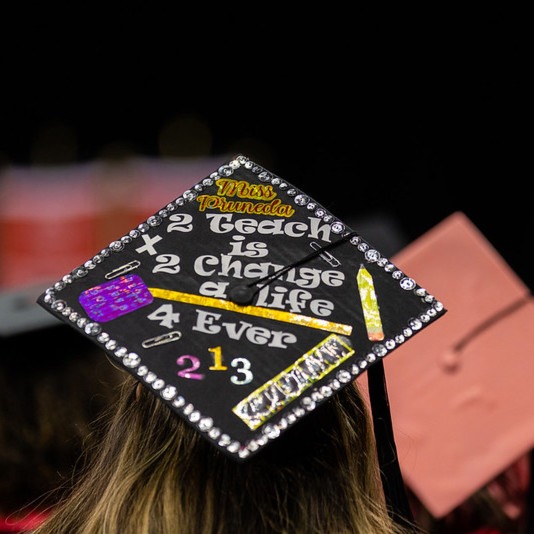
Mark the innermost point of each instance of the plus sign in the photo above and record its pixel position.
(149, 242)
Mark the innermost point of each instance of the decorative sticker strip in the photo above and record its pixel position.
(272, 396)
(371, 312)
(257, 311)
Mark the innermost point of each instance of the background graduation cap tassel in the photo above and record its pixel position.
(244, 305)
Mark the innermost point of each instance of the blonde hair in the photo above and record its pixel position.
(153, 474)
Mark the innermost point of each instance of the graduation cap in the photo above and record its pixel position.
(243, 304)
(461, 400)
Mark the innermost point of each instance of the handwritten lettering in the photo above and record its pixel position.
(242, 189)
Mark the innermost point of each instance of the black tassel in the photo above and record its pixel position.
(392, 481)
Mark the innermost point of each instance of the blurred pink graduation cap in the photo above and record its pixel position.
(462, 399)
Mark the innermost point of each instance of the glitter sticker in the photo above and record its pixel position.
(371, 311)
(272, 396)
(257, 311)
(115, 298)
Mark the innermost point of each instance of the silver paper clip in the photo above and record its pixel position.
(325, 255)
(123, 269)
(160, 340)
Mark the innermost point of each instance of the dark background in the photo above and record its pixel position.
(405, 122)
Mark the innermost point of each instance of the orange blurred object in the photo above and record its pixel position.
(461, 399)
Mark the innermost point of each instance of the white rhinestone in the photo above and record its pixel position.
(233, 447)
(121, 352)
(58, 305)
(379, 349)
(415, 324)
(372, 255)
(370, 357)
(390, 344)
(335, 384)
(317, 396)
(344, 376)
(111, 344)
(178, 402)
(337, 227)
(116, 246)
(252, 445)
(271, 431)
(92, 329)
(224, 440)
(205, 424)
(308, 403)
(194, 417)
(407, 283)
(225, 170)
(80, 272)
(214, 433)
(291, 418)
(244, 453)
(168, 393)
(283, 424)
(298, 411)
(132, 360)
(158, 384)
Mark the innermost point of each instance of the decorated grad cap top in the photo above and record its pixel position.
(468, 416)
(243, 305)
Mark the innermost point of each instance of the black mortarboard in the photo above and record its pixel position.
(243, 304)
